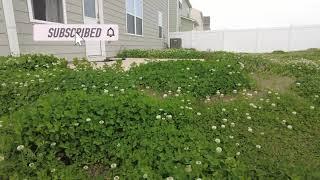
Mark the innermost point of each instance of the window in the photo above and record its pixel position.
(47, 11)
(160, 26)
(134, 16)
(90, 8)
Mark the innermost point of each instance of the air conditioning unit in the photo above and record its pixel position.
(176, 43)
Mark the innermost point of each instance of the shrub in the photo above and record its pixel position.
(199, 79)
(32, 62)
(95, 131)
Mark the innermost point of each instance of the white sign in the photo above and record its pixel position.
(68, 32)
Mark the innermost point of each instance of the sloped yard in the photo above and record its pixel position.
(229, 116)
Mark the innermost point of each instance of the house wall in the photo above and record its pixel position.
(173, 15)
(4, 43)
(185, 9)
(25, 32)
(186, 25)
(115, 13)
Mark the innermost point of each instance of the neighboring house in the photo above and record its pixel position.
(206, 23)
(180, 16)
(198, 17)
(142, 24)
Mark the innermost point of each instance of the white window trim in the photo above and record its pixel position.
(134, 7)
(31, 17)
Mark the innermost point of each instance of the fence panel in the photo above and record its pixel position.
(252, 40)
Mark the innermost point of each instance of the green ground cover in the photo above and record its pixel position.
(228, 116)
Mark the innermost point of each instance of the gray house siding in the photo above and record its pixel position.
(115, 13)
(173, 15)
(25, 35)
(186, 25)
(185, 11)
(4, 44)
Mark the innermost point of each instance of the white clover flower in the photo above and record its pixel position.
(224, 110)
(250, 129)
(122, 90)
(269, 92)
(116, 178)
(290, 127)
(233, 124)
(294, 113)
(235, 109)
(165, 95)
(262, 133)
(76, 124)
(237, 144)
(83, 85)
(88, 119)
(53, 144)
(312, 107)
(186, 148)
(1, 158)
(145, 176)
(158, 117)
(273, 105)
(105, 91)
(235, 91)
(85, 167)
(53, 170)
(113, 165)
(198, 179)
(188, 69)
(238, 153)
(258, 146)
(214, 127)
(249, 117)
(316, 96)
(298, 84)
(20, 147)
(116, 87)
(199, 114)
(231, 137)
(223, 126)
(198, 162)
(170, 178)
(218, 149)
(169, 116)
(3, 84)
(217, 141)
(101, 122)
(225, 120)
(284, 122)
(31, 165)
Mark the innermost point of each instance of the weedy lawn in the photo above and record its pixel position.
(232, 116)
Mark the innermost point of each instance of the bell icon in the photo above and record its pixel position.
(110, 32)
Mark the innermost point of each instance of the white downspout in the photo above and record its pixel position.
(11, 27)
(168, 24)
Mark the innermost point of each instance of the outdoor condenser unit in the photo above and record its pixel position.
(176, 43)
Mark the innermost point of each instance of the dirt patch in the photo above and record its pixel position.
(274, 82)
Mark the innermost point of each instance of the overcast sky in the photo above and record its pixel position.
(237, 14)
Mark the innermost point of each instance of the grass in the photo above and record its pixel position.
(232, 116)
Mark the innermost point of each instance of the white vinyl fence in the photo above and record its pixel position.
(252, 40)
